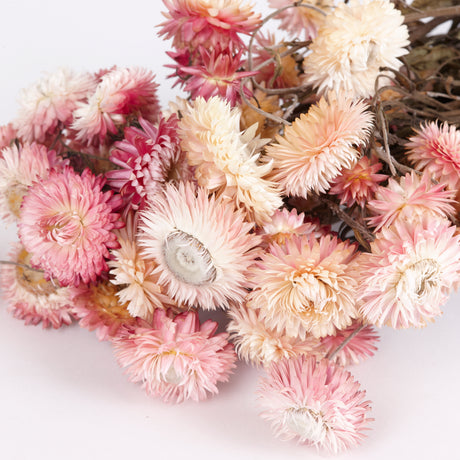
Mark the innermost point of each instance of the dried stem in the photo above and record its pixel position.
(345, 342)
(448, 11)
(18, 264)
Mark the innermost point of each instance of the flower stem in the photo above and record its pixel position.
(332, 354)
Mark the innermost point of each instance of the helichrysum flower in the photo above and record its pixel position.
(355, 40)
(138, 285)
(259, 344)
(121, 95)
(31, 297)
(225, 158)
(98, 308)
(147, 158)
(304, 286)
(359, 347)
(203, 247)
(412, 268)
(177, 358)
(358, 184)
(209, 23)
(19, 168)
(319, 144)
(66, 222)
(317, 403)
(409, 198)
(436, 149)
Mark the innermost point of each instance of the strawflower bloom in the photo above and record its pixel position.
(317, 403)
(225, 158)
(257, 343)
(356, 39)
(319, 145)
(412, 268)
(409, 198)
(358, 184)
(98, 308)
(177, 358)
(134, 274)
(147, 158)
(48, 105)
(19, 168)
(121, 95)
(359, 347)
(31, 297)
(66, 222)
(208, 23)
(203, 247)
(436, 150)
(304, 286)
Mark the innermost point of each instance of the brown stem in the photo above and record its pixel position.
(448, 11)
(345, 342)
(18, 264)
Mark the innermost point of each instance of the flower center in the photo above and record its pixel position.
(14, 196)
(418, 279)
(64, 229)
(32, 280)
(188, 259)
(307, 423)
(171, 376)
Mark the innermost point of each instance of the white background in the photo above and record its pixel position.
(62, 396)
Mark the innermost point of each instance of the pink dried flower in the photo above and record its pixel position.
(358, 184)
(31, 297)
(304, 286)
(216, 74)
(19, 169)
(98, 308)
(436, 149)
(317, 403)
(202, 246)
(194, 23)
(148, 157)
(177, 359)
(48, 105)
(360, 347)
(7, 134)
(409, 273)
(319, 145)
(66, 223)
(410, 198)
(121, 95)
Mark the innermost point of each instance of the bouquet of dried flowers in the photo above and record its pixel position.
(308, 186)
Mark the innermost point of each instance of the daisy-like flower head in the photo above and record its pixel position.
(436, 149)
(356, 39)
(225, 158)
(99, 308)
(319, 144)
(302, 20)
(121, 94)
(360, 346)
(148, 158)
(7, 134)
(216, 74)
(259, 344)
(177, 359)
(304, 286)
(358, 184)
(208, 23)
(49, 104)
(284, 224)
(31, 297)
(317, 403)
(409, 199)
(203, 247)
(409, 273)
(19, 168)
(139, 287)
(66, 222)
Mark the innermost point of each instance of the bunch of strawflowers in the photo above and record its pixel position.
(268, 193)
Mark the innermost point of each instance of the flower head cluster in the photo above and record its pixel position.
(177, 358)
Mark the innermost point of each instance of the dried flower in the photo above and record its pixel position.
(7, 134)
(177, 359)
(317, 403)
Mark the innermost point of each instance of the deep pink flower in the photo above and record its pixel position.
(317, 403)
(176, 359)
(66, 222)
